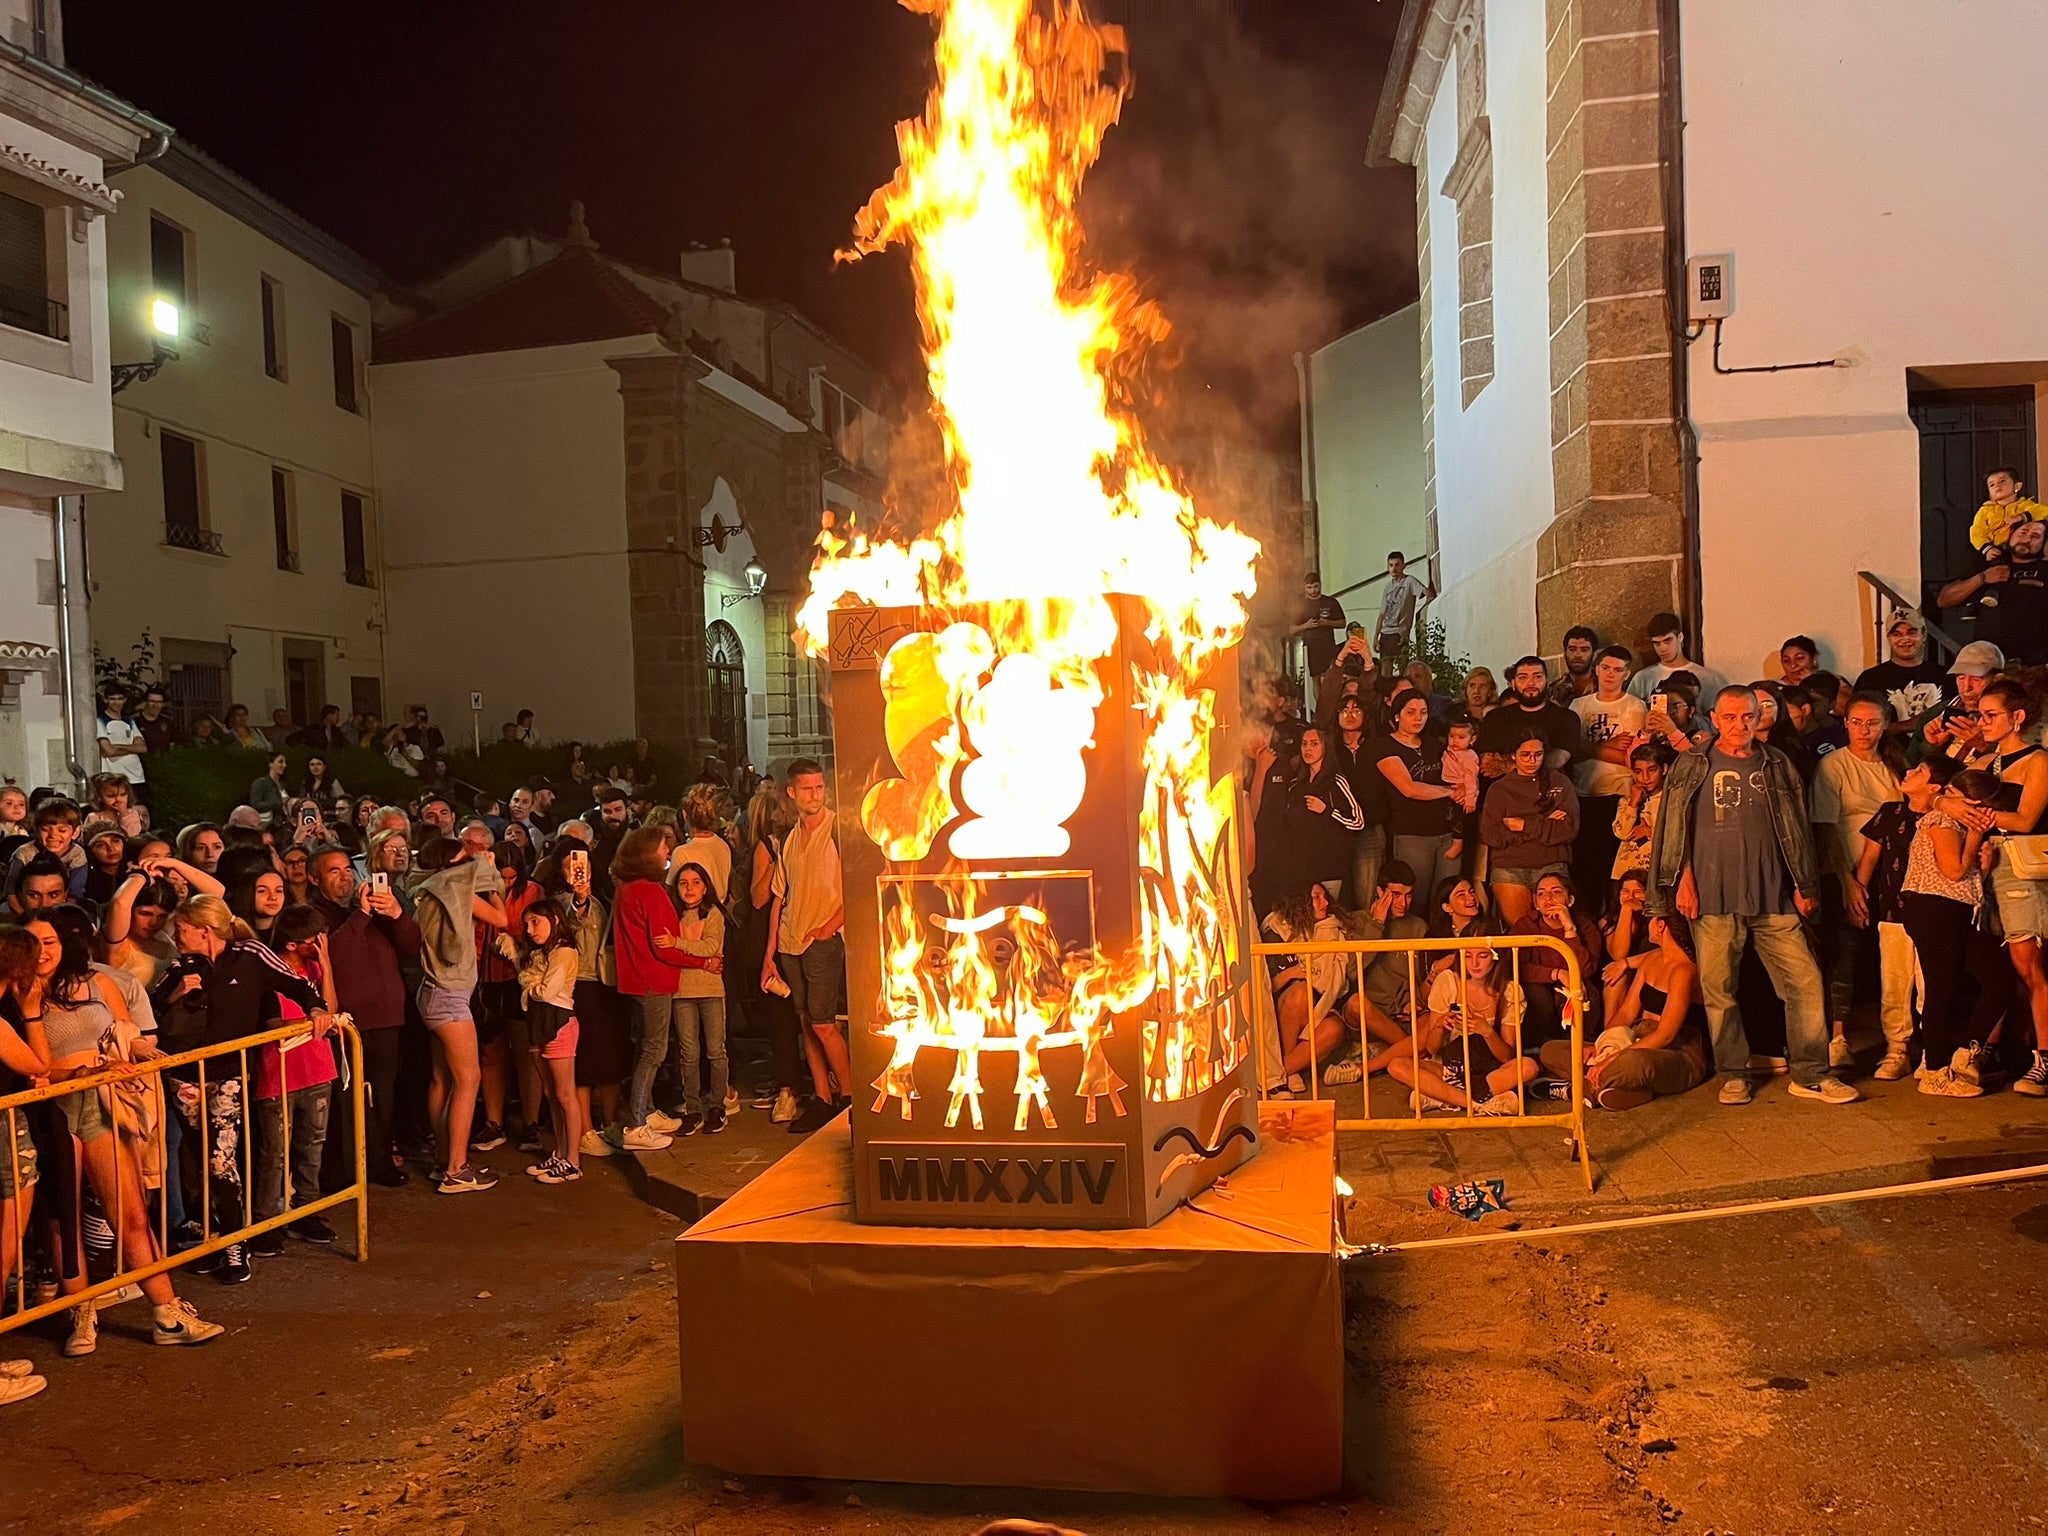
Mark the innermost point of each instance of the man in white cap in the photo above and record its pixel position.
(1951, 728)
(1914, 681)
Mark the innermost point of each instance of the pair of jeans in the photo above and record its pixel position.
(700, 1022)
(302, 1112)
(656, 1012)
(1950, 946)
(1368, 853)
(1780, 942)
(1426, 857)
(218, 1120)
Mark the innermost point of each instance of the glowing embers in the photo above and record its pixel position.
(995, 966)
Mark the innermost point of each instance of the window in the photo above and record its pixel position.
(167, 261)
(25, 301)
(184, 498)
(273, 329)
(282, 508)
(355, 542)
(346, 395)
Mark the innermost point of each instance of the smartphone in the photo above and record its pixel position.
(309, 815)
(1355, 629)
(380, 883)
(579, 859)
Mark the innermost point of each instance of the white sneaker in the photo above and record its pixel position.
(1949, 1084)
(1839, 1054)
(786, 1108)
(1338, 1073)
(11, 1370)
(1777, 1066)
(645, 1138)
(1499, 1104)
(1829, 1090)
(732, 1100)
(664, 1124)
(1968, 1063)
(19, 1389)
(594, 1145)
(1297, 1084)
(1896, 1064)
(85, 1331)
(179, 1323)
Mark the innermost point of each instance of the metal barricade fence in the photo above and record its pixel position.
(1363, 952)
(127, 1164)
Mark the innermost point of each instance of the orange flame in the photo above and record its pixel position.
(1057, 502)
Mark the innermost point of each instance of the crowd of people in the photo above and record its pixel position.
(521, 973)
(1734, 865)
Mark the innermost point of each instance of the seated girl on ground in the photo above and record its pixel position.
(1655, 1043)
(1471, 1034)
(1313, 996)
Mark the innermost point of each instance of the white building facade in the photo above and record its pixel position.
(245, 542)
(59, 136)
(1597, 447)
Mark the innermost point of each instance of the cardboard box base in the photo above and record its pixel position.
(1202, 1356)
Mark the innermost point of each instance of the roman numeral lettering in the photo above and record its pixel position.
(945, 1180)
(1037, 1181)
(1097, 1192)
(992, 1180)
(899, 1179)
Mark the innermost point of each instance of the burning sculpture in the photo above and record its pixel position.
(1032, 702)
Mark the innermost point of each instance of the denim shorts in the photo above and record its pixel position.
(2022, 905)
(441, 1006)
(817, 979)
(86, 1115)
(1524, 877)
(18, 1171)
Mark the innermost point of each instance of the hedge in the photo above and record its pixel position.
(189, 784)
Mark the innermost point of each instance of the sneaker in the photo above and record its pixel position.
(85, 1331)
(689, 1125)
(529, 1140)
(786, 1108)
(1453, 1072)
(1297, 1084)
(558, 1170)
(1829, 1090)
(186, 1234)
(1776, 1066)
(206, 1263)
(2034, 1081)
(466, 1180)
(714, 1121)
(667, 1125)
(113, 1299)
(234, 1264)
(1557, 1088)
(1737, 1090)
(311, 1229)
(593, 1144)
(389, 1178)
(178, 1323)
(1839, 1054)
(732, 1099)
(487, 1137)
(1338, 1073)
(14, 1370)
(765, 1099)
(816, 1116)
(1499, 1104)
(1619, 1099)
(269, 1244)
(1968, 1063)
(19, 1389)
(1896, 1064)
(644, 1138)
(1950, 1084)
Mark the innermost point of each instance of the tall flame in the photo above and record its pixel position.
(1057, 501)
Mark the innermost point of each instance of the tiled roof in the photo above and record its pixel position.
(575, 297)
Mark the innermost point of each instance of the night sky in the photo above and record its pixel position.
(414, 132)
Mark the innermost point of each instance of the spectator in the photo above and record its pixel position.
(810, 954)
(1322, 816)
(1470, 1035)
(699, 945)
(209, 732)
(1672, 714)
(1732, 853)
(1313, 1001)
(1873, 900)
(1543, 972)
(201, 846)
(39, 885)
(1624, 935)
(1317, 623)
(294, 1092)
(1461, 777)
(2004, 509)
(642, 918)
(321, 787)
(1581, 648)
(267, 794)
(500, 1015)
(137, 929)
(1798, 659)
(767, 823)
(122, 743)
(240, 733)
(1848, 788)
(458, 885)
(1910, 678)
(1387, 1014)
(328, 735)
(1420, 806)
(1939, 898)
(1610, 721)
(547, 984)
(2006, 713)
(1347, 674)
(370, 730)
(1527, 822)
(2011, 595)
(13, 811)
(524, 721)
(1349, 748)
(602, 1057)
(53, 831)
(1403, 597)
(520, 813)
(1655, 1043)
(1667, 645)
(424, 735)
(701, 813)
(1482, 694)
(1811, 708)
(1527, 709)
(371, 939)
(159, 731)
(609, 819)
(1953, 728)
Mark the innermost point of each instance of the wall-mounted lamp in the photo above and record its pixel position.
(757, 583)
(166, 322)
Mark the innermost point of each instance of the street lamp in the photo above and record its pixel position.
(757, 583)
(165, 322)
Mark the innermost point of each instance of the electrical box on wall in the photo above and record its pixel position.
(1710, 286)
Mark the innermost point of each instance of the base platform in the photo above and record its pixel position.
(1199, 1357)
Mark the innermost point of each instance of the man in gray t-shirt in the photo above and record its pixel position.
(1398, 604)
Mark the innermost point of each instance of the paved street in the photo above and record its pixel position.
(507, 1364)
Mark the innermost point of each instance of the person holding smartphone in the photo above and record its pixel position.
(371, 938)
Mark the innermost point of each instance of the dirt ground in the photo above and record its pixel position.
(505, 1368)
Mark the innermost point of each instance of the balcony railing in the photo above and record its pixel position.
(191, 536)
(359, 576)
(36, 313)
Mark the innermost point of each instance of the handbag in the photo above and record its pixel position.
(2027, 856)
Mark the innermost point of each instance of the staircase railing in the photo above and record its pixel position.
(1880, 601)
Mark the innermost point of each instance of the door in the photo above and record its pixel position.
(1964, 435)
(366, 696)
(305, 680)
(727, 660)
(195, 680)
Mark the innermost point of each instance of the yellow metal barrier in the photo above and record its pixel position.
(16, 1135)
(1360, 951)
